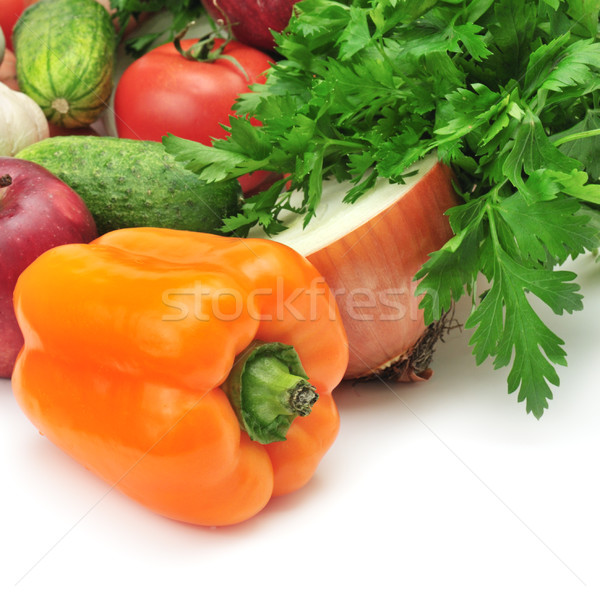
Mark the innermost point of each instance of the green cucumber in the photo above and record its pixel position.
(134, 183)
(66, 53)
(2, 46)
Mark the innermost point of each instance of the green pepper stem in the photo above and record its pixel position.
(302, 397)
(268, 389)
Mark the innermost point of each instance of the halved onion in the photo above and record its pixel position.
(369, 253)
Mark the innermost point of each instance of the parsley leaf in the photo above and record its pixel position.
(506, 92)
(182, 13)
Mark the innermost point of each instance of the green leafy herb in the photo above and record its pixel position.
(182, 13)
(507, 92)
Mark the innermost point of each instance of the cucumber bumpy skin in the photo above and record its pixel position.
(66, 51)
(134, 183)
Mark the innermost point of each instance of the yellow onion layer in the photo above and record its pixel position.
(369, 253)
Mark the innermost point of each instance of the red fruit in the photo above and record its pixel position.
(10, 11)
(252, 20)
(37, 212)
(163, 92)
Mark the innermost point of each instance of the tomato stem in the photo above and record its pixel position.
(198, 51)
(207, 50)
(268, 388)
(204, 49)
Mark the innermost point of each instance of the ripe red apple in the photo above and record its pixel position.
(252, 20)
(37, 212)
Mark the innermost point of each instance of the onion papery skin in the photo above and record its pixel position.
(371, 267)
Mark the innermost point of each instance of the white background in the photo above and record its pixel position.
(445, 489)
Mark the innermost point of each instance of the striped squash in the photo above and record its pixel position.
(65, 59)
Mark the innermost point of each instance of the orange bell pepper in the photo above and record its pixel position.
(133, 343)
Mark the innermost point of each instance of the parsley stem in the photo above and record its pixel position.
(577, 136)
(489, 209)
(347, 143)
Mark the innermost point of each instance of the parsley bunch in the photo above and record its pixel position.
(505, 91)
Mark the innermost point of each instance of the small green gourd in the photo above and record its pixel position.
(135, 183)
(65, 59)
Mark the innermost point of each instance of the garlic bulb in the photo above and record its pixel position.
(22, 121)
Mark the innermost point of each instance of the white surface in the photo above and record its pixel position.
(439, 490)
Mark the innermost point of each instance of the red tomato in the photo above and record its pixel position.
(163, 92)
(8, 71)
(10, 10)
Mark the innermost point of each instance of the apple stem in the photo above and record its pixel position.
(5, 181)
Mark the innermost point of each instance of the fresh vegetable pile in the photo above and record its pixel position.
(270, 199)
(188, 88)
(506, 92)
(192, 370)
